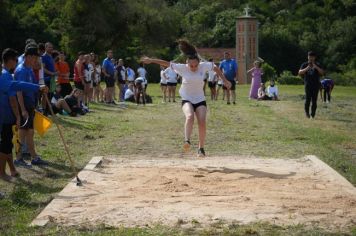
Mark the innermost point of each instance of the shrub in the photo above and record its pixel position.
(286, 77)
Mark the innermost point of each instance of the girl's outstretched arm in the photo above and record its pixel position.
(160, 62)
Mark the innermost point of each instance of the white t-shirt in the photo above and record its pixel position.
(163, 79)
(128, 94)
(130, 74)
(272, 91)
(141, 72)
(171, 75)
(89, 72)
(212, 77)
(192, 82)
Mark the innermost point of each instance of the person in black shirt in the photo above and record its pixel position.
(311, 71)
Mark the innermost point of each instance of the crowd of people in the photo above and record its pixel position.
(38, 81)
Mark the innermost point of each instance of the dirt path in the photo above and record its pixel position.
(143, 191)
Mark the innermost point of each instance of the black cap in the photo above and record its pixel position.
(311, 53)
(31, 50)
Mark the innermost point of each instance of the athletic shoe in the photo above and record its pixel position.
(312, 118)
(234, 103)
(201, 152)
(22, 163)
(307, 115)
(228, 103)
(186, 146)
(37, 161)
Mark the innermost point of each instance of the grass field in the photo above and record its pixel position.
(263, 129)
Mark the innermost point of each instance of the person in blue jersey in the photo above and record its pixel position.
(9, 114)
(48, 65)
(108, 69)
(27, 103)
(327, 85)
(229, 68)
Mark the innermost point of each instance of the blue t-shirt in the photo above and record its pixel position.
(25, 74)
(7, 85)
(229, 68)
(109, 66)
(48, 63)
(8, 115)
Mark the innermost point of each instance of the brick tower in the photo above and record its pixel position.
(246, 44)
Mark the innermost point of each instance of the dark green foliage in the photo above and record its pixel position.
(288, 29)
(287, 77)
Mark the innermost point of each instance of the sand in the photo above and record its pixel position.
(142, 191)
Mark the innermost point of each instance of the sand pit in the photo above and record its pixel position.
(143, 191)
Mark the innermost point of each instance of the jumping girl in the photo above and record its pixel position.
(193, 100)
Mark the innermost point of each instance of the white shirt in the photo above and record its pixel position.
(212, 77)
(171, 75)
(141, 72)
(128, 94)
(89, 72)
(163, 79)
(272, 91)
(130, 74)
(192, 82)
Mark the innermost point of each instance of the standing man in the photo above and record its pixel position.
(121, 79)
(311, 71)
(109, 73)
(229, 68)
(49, 68)
(27, 103)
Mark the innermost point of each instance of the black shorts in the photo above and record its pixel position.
(220, 85)
(233, 85)
(6, 139)
(171, 84)
(110, 82)
(195, 106)
(31, 116)
(164, 85)
(79, 85)
(66, 89)
(212, 84)
(87, 82)
(95, 84)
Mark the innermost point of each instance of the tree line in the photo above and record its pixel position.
(288, 29)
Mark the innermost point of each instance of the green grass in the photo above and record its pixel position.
(263, 129)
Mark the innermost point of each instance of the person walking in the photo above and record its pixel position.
(311, 72)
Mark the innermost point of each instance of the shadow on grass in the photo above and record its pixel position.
(252, 172)
(38, 187)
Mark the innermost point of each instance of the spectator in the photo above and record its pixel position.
(73, 101)
(130, 75)
(129, 94)
(272, 91)
(229, 68)
(27, 102)
(141, 71)
(49, 68)
(59, 104)
(327, 85)
(79, 74)
(212, 80)
(62, 69)
(311, 71)
(171, 77)
(256, 79)
(108, 70)
(262, 93)
(121, 79)
(163, 84)
(98, 91)
(88, 79)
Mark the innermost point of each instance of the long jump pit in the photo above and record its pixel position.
(143, 191)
